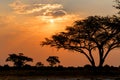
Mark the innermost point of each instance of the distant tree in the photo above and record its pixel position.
(53, 60)
(19, 60)
(27, 66)
(6, 66)
(107, 66)
(95, 34)
(87, 66)
(39, 64)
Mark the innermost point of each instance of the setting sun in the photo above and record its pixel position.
(52, 21)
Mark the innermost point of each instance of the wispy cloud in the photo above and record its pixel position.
(36, 9)
(18, 7)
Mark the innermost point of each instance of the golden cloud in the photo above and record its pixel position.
(54, 10)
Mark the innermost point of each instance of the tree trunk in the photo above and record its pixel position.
(101, 51)
(101, 63)
(93, 64)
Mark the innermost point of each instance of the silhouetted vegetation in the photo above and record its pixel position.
(95, 33)
(85, 36)
(39, 64)
(41, 70)
(60, 71)
(19, 60)
(53, 60)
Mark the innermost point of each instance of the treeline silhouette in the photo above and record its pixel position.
(87, 70)
(19, 60)
(20, 68)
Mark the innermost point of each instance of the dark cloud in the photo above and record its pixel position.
(56, 13)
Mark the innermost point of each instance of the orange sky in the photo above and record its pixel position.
(25, 23)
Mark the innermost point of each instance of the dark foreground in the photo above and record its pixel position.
(56, 78)
(60, 73)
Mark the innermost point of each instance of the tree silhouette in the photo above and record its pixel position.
(19, 60)
(95, 34)
(53, 60)
(39, 64)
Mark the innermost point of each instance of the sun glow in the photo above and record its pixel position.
(51, 21)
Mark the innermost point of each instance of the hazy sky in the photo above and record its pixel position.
(25, 23)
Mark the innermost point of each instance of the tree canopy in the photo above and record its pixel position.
(19, 60)
(95, 33)
(53, 60)
(39, 64)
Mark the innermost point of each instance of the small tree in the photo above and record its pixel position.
(53, 60)
(19, 60)
(39, 64)
(95, 33)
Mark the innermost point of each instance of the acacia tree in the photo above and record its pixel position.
(95, 33)
(53, 60)
(19, 60)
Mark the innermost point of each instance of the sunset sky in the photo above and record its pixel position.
(25, 23)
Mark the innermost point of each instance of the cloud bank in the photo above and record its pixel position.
(37, 9)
